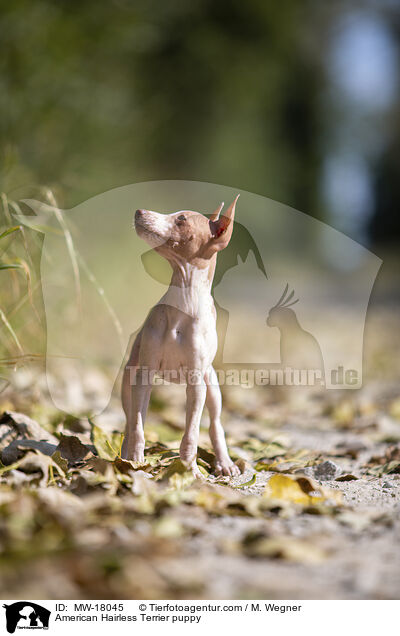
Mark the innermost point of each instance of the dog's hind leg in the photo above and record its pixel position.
(134, 442)
(129, 375)
(223, 463)
(136, 390)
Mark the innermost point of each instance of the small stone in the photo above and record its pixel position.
(308, 471)
(387, 484)
(326, 471)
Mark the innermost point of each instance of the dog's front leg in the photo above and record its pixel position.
(134, 443)
(195, 399)
(223, 463)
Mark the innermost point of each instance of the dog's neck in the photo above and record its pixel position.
(197, 275)
(190, 286)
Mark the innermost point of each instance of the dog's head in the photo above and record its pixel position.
(186, 235)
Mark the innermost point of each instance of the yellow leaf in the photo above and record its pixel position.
(168, 528)
(297, 490)
(180, 481)
(287, 548)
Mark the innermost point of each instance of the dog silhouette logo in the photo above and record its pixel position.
(26, 615)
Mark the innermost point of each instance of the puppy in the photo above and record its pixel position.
(178, 340)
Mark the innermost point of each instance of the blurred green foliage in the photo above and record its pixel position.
(96, 95)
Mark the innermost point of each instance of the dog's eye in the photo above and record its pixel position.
(181, 219)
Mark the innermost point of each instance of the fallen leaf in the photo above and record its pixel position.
(19, 426)
(106, 448)
(299, 490)
(168, 528)
(71, 448)
(16, 449)
(347, 477)
(287, 548)
(33, 462)
(251, 482)
(175, 467)
(60, 461)
(125, 466)
(180, 481)
(262, 450)
(389, 462)
(63, 504)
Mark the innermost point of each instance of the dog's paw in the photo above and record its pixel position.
(196, 472)
(192, 467)
(134, 456)
(138, 457)
(227, 468)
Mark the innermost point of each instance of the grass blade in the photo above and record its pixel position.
(10, 230)
(11, 331)
(10, 266)
(70, 246)
(6, 210)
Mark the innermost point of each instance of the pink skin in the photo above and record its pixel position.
(179, 334)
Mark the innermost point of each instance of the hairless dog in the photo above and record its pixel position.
(179, 334)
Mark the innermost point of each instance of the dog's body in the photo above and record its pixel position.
(179, 334)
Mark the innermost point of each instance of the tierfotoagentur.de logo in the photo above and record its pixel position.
(295, 289)
(26, 615)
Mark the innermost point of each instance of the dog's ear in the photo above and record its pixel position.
(222, 226)
(215, 215)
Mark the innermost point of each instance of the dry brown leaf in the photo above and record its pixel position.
(71, 448)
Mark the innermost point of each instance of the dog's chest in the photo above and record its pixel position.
(188, 343)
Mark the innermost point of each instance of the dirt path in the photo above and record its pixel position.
(77, 522)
